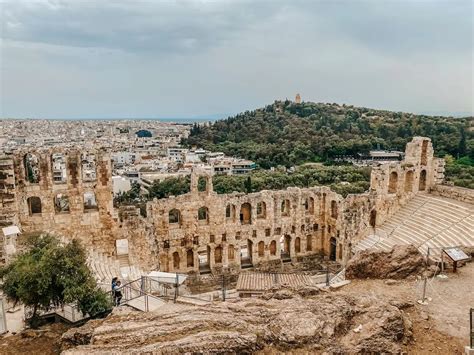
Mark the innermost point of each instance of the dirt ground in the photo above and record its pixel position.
(442, 325)
(42, 342)
(439, 327)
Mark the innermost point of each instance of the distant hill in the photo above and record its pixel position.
(286, 133)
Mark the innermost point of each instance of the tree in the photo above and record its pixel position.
(143, 133)
(50, 275)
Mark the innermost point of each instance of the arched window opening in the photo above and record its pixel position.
(202, 184)
(32, 169)
(230, 212)
(340, 252)
(334, 209)
(285, 243)
(285, 208)
(302, 228)
(218, 255)
(409, 177)
(392, 182)
(90, 203)
(297, 245)
(59, 169)
(261, 210)
(190, 258)
(61, 203)
(422, 185)
(174, 216)
(203, 214)
(88, 163)
(373, 218)
(230, 252)
(273, 247)
(309, 205)
(246, 254)
(261, 248)
(34, 205)
(204, 257)
(309, 243)
(332, 250)
(176, 260)
(246, 213)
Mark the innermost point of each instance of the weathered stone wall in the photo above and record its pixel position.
(456, 193)
(234, 231)
(95, 226)
(202, 232)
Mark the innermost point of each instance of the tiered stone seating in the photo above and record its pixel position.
(427, 221)
(105, 268)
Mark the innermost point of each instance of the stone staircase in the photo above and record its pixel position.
(105, 268)
(428, 222)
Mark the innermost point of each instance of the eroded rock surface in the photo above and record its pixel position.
(324, 321)
(402, 261)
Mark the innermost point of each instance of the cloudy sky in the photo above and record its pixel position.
(129, 58)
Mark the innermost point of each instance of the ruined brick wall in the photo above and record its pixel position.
(233, 231)
(93, 226)
(8, 206)
(456, 193)
(203, 232)
(396, 183)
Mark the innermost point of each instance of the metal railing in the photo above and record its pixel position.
(471, 326)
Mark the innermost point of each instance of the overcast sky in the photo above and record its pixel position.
(109, 59)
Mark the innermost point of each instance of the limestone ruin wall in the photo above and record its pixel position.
(202, 231)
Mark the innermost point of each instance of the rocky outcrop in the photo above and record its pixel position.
(245, 326)
(402, 261)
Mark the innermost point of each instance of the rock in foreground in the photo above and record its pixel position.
(402, 261)
(244, 326)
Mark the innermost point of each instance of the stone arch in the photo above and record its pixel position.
(334, 209)
(176, 260)
(190, 258)
(285, 246)
(218, 255)
(59, 168)
(309, 205)
(393, 182)
(373, 218)
(422, 184)
(230, 212)
(203, 214)
(34, 205)
(230, 252)
(297, 245)
(261, 210)
(261, 249)
(32, 168)
(246, 213)
(88, 167)
(246, 252)
(90, 202)
(285, 207)
(174, 216)
(309, 243)
(409, 177)
(202, 183)
(61, 203)
(332, 248)
(273, 247)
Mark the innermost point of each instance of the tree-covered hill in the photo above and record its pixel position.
(287, 133)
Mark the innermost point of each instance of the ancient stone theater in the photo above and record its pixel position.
(68, 193)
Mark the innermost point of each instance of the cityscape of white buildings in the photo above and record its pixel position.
(135, 158)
